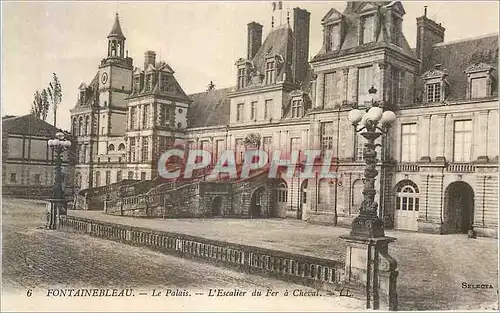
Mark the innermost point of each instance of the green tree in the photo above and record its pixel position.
(55, 94)
(45, 104)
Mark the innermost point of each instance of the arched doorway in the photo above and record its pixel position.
(217, 206)
(257, 205)
(406, 211)
(458, 207)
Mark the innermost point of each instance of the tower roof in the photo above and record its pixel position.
(116, 31)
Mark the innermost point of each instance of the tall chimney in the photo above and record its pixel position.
(429, 33)
(254, 39)
(149, 58)
(300, 53)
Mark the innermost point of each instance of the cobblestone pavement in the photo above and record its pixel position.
(431, 268)
(35, 258)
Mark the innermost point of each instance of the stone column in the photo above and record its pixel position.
(129, 118)
(320, 90)
(424, 130)
(353, 84)
(383, 89)
(448, 137)
(439, 133)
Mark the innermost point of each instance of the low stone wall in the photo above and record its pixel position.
(310, 271)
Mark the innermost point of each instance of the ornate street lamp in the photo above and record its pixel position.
(372, 122)
(58, 202)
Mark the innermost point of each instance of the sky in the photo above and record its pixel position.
(200, 40)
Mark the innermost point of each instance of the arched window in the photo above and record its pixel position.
(282, 192)
(73, 127)
(111, 147)
(407, 197)
(80, 126)
(121, 147)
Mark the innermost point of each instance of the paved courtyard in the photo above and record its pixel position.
(432, 268)
(37, 259)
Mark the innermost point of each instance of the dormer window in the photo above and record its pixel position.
(367, 29)
(297, 108)
(242, 73)
(479, 81)
(164, 82)
(137, 83)
(435, 85)
(149, 82)
(433, 91)
(333, 38)
(270, 71)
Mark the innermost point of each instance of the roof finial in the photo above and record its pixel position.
(425, 10)
(272, 21)
(288, 17)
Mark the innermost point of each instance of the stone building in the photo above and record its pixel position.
(438, 164)
(27, 160)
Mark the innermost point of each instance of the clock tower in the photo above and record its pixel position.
(115, 82)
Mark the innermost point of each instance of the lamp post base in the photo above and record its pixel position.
(367, 226)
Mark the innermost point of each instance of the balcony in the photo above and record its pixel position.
(460, 168)
(407, 167)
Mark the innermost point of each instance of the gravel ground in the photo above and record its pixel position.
(431, 268)
(37, 259)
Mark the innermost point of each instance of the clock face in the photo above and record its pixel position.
(104, 77)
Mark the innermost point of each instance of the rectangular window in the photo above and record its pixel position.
(270, 72)
(253, 112)
(297, 108)
(295, 146)
(166, 113)
(145, 149)
(332, 93)
(367, 31)
(395, 86)
(133, 118)
(97, 179)
(108, 177)
(239, 111)
(268, 104)
(132, 149)
(130, 175)
(118, 176)
(149, 82)
(145, 116)
(13, 177)
(241, 77)
(37, 179)
(143, 175)
(462, 141)
(365, 82)
(266, 144)
(240, 149)
(360, 145)
(409, 143)
(333, 37)
(220, 147)
(478, 88)
(327, 136)
(433, 92)
(137, 84)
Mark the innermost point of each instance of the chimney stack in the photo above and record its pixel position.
(429, 33)
(254, 40)
(149, 58)
(300, 54)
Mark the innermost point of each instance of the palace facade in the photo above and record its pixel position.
(438, 164)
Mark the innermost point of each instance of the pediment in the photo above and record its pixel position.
(397, 7)
(367, 6)
(166, 68)
(434, 73)
(332, 15)
(82, 86)
(297, 93)
(150, 68)
(479, 67)
(137, 71)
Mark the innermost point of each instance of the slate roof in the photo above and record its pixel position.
(116, 31)
(278, 41)
(28, 125)
(456, 57)
(210, 108)
(349, 44)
